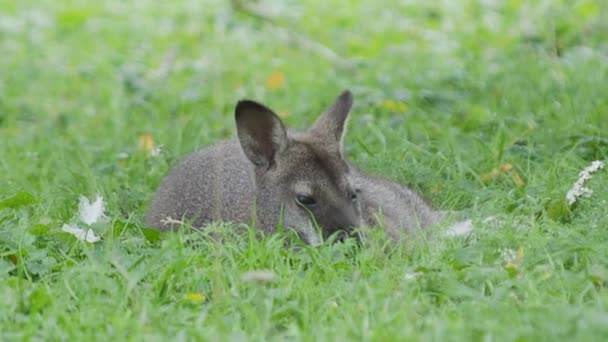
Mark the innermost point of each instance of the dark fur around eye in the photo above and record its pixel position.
(305, 200)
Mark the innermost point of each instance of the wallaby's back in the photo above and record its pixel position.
(393, 206)
(215, 183)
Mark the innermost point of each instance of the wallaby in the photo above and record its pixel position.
(301, 180)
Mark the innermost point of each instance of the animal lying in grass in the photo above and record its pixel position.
(275, 177)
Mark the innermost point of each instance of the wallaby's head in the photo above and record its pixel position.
(303, 179)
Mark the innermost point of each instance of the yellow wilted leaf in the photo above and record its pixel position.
(520, 253)
(276, 80)
(195, 297)
(504, 168)
(146, 142)
(517, 179)
(394, 106)
(490, 175)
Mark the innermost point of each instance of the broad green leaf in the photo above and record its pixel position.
(39, 230)
(20, 199)
(559, 210)
(6, 267)
(152, 235)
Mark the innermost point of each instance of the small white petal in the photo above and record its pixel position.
(81, 234)
(460, 228)
(155, 152)
(412, 276)
(586, 192)
(91, 212)
(122, 155)
(508, 255)
(595, 165)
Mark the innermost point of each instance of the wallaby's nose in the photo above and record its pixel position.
(309, 234)
(342, 236)
(353, 231)
(345, 224)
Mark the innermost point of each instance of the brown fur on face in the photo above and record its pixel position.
(276, 177)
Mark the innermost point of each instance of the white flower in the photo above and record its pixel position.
(81, 234)
(88, 213)
(155, 152)
(578, 190)
(508, 255)
(91, 212)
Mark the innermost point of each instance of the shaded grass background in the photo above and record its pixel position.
(445, 92)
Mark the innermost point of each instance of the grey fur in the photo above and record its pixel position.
(388, 204)
(258, 176)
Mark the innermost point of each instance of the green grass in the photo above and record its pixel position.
(443, 96)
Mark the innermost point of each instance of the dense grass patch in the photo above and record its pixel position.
(492, 107)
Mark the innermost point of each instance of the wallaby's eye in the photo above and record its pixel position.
(305, 200)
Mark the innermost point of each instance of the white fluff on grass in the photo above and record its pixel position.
(461, 228)
(412, 275)
(578, 189)
(89, 213)
(81, 234)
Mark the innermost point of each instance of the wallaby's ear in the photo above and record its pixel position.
(329, 127)
(260, 131)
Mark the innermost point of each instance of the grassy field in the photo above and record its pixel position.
(493, 107)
